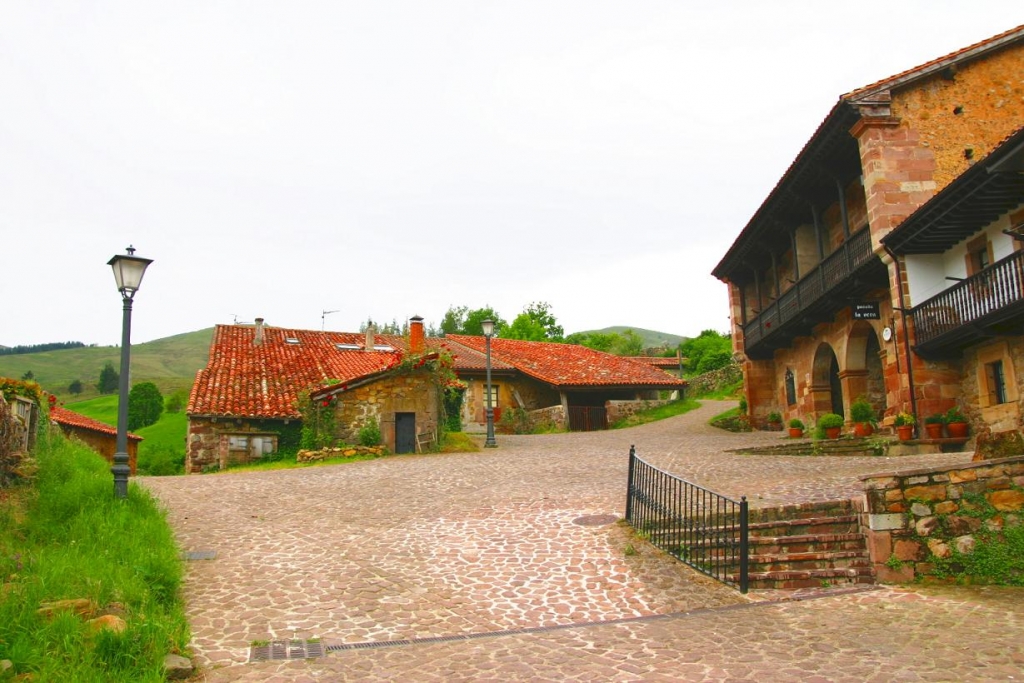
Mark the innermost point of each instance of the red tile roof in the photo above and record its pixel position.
(242, 379)
(663, 362)
(569, 365)
(467, 359)
(68, 418)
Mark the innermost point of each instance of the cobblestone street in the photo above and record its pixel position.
(422, 548)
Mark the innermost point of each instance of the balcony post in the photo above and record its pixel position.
(842, 209)
(817, 233)
(796, 259)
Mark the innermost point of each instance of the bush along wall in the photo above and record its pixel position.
(959, 524)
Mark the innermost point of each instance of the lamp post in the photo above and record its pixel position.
(489, 442)
(128, 272)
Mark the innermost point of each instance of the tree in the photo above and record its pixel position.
(109, 379)
(75, 387)
(145, 403)
(599, 341)
(461, 320)
(629, 343)
(29, 375)
(176, 401)
(707, 343)
(535, 323)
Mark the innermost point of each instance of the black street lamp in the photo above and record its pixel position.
(489, 442)
(128, 272)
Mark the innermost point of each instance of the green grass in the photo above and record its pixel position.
(731, 391)
(171, 363)
(66, 537)
(162, 451)
(659, 413)
(730, 421)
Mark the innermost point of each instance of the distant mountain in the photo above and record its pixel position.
(171, 363)
(652, 339)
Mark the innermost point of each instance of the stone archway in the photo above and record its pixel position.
(865, 373)
(826, 382)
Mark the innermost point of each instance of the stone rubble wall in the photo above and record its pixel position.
(714, 380)
(618, 410)
(913, 517)
(345, 452)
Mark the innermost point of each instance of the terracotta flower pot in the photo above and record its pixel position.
(863, 429)
(934, 430)
(833, 432)
(957, 430)
(795, 432)
(905, 432)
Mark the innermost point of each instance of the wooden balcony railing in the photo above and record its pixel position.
(827, 276)
(970, 302)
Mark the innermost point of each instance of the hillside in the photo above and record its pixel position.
(171, 363)
(651, 338)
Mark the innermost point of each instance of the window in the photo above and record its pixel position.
(979, 255)
(790, 387)
(995, 382)
(494, 396)
(238, 443)
(256, 445)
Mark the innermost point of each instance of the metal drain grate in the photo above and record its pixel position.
(192, 555)
(595, 520)
(286, 649)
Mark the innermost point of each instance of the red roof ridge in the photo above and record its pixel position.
(70, 418)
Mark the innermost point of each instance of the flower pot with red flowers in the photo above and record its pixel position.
(933, 424)
(796, 428)
(956, 423)
(830, 426)
(863, 417)
(904, 424)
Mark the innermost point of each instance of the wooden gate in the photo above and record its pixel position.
(587, 418)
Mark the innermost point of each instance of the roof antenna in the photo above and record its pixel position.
(323, 315)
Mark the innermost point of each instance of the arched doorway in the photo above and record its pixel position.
(865, 374)
(826, 386)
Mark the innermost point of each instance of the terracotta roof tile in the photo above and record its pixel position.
(68, 418)
(570, 365)
(245, 380)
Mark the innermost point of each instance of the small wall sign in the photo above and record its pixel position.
(866, 311)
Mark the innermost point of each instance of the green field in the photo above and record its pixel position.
(162, 450)
(171, 363)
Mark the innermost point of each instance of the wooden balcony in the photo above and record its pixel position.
(984, 305)
(850, 271)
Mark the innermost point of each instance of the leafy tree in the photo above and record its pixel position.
(109, 379)
(387, 328)
(535, 323)
(629, 343)
(599, 341)
(145, 403)
(176, 401)
(29, 375)
(461, 320)
(75, 387)
(708, 342)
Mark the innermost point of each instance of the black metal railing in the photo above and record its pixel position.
(704, 529)
(968, 301)
(826, 276)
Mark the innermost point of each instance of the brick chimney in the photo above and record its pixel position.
(370, 331)
(416, 341)
(257, 340)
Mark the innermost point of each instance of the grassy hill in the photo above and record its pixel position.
(651, 338)
(171, 363)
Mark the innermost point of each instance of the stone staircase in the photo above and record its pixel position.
(810, 545)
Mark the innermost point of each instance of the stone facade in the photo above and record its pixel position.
(618, 410)
(912, 518)
(413, 392)
(210, 441)
(533, 394)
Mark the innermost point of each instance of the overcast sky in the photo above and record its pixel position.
(388, 159)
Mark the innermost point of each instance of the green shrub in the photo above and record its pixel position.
(828, 421)
(861, 411)
(796, 423)
(904, 420)
(161, 460)
(774, 417)
(369, 433)
(935, 419)
(954, 415)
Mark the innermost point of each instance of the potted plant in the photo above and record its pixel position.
(904, 424)
(774, 422)
(796, 428)
(956, 423)
(863, 417)
(830, 425)
(933, 425)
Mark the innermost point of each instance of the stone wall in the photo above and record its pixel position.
(618, 410)
(986, 417)
(347, 452)
(714, 380)
(207, 444)
(914, 517)
(412, 392)
(534, 395)
(554, 415)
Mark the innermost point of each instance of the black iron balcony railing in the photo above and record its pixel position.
(828, 276)
(988, 296)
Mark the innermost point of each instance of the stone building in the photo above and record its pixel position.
(821, 305)
(97, 435)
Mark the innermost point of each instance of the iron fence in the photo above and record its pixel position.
(704, 529)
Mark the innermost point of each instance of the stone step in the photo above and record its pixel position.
(802, 561)
(832, 508)
(805, 543)
(811, 578)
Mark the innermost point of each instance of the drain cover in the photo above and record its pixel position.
(595, 520)
(199, 555)
(286, 649)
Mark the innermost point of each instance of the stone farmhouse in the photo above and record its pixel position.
(886, 262)
(97, 435)
(245, 403)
